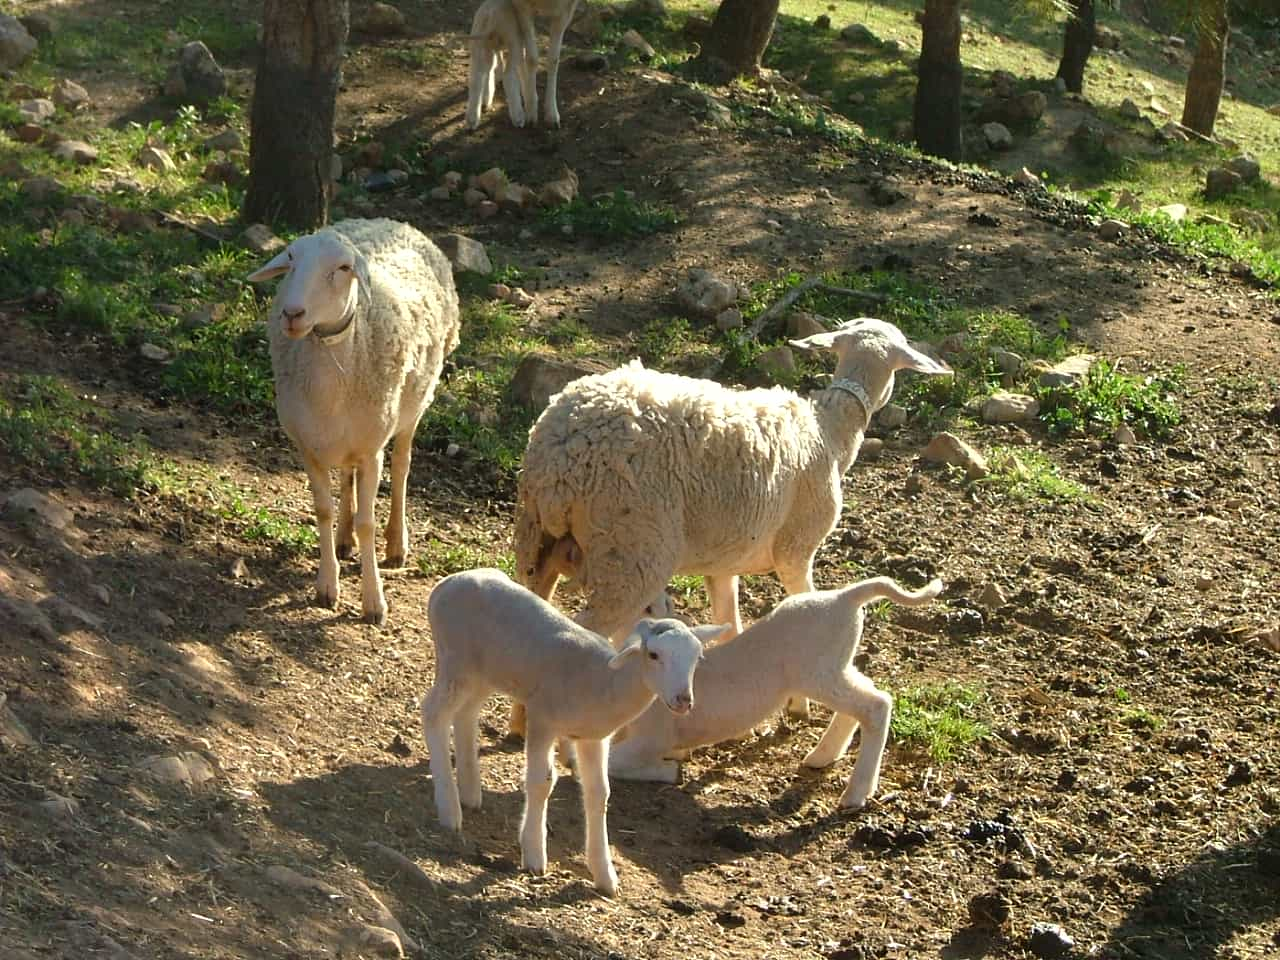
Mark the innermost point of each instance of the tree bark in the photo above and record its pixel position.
(1077, 44)
(291, 124)
(937, 107)
(1208, 69)
(739, 35)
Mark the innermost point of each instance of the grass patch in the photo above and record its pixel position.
(618, 216)
(258, 524)
(1025, 474)
(1140, 718)
(440, 559)
(1107, 398)
(939, 719)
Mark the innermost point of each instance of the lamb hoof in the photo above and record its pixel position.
(853, 804)
(393, 561)
(346, 551)
(327, 598)
(608, 884)
(376, 617)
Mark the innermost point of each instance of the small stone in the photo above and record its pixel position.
(1068, 373)
(221, 171)
(225, 142)
(859, 34)
(452, 180)
(157, 159)
(16, 44)
(70, 96)
(1049, 941)
(486, 209)
(705, 294)
(440, 193)
(1026, 178)
(1007, 361)
(1004, 407)
(473, 197)
(989, 911)
(161, 619)
(239, 569)
(801, 323)
(379, 181)
(28, 132)
(1130, 110)
(40, 189)
(872, 449)
(1112, 229)
(75, 151)
(891, 417)
(499, 291)
(1177, 212)
(34, 503)
(1239, 774)
(188, 768)
(465, 254)
(1204, 583)
(152, 352)
(452, 450)
(520, 298)
(992, 596)
(997, 136)
(1140, 785)
(730, 319)
(1246, 168)
(777, 362)
(381, 19)
(367, 940)
(259, 238)
(632, 40)
(949, 449)
(100, 593)
(1219, 182)
(1124, 436)
(915, 485)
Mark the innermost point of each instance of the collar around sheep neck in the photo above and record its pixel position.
(342, 333)
(855, 390)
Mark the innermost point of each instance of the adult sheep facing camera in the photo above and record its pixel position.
(359, 328)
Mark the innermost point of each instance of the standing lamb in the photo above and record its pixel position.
(359, 329)
(502, 40)
(653, 474)
(492, 635)
(804, 647)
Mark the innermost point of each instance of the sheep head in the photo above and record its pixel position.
(323, 274)
(669, 652)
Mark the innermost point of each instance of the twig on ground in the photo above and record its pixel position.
(778, 308)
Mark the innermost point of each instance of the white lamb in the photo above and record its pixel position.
(803, 648)
(359, 329)
(652, 474)
(503, 41)
(492, 635)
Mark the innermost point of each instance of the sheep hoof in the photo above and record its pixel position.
(346, 551)
(393, 561)
(798, 709)
(608, 884)
(376, 617)
(325, 598)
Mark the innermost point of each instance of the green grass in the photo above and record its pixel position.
(258, 524)
(1140, 718)
(1108, 398)
(439, 559)
(613, 217)
(1026, 474)
(940, 719)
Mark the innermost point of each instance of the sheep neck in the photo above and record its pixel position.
(625, 693)
(843, 416)
(346, 327)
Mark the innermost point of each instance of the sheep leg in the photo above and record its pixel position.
(639, 758)
(722, 593)
(834, 743)
(490, 82)
(397, 528)
(373, 602)
(481, 72)
(551, 113)
(854, 695)
(466, 737)
(513, 89)
(516, 720)
(346, 500)
(322, 495)
(528, 68)
(539, 781)
(438, 710)
(798, 579)
(593, 776)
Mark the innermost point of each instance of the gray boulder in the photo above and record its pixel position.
(196, 77)
(16, 44)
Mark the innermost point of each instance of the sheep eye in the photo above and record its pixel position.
(289, 254)
(652, 655)
(345, 268)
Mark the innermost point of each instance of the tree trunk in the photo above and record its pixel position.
(291, 125)
(736, 42)
(937, 107)
(1077, 44)
(1208, 69)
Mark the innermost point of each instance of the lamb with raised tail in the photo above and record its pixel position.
(803, 648)
(652, 474)
(493, 636)
(359, 330)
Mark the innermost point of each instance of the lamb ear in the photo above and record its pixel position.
(909, 358)
(277, 265)
(633, 646)
(711, 632)
(818, 341)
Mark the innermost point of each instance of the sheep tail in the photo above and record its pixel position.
(885, 588)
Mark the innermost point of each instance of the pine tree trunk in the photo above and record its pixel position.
(1208, 69)
(294, 97)
(735, 44)
(1077, 44)
(937, 107)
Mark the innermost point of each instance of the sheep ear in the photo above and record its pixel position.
(277, 265)
(711, 632)
(634, 645)
(909, 358)
(361, 269)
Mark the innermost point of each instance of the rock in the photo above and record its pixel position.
(593, 61)
(989, 911)
(885, 193)
(1124, 436)
(1130, 110)
(188, 768)
(1026, 178)
(538, 378)
(1255, 220)
(859, 35)
(28, 132)
(157, 159)
(518, 197)
(289, 879)
(1007, 361)
(75, 151)
(1173, 133)
(441, 193)
(259, 238)
(37, 111)
(70, 96)
(1048, 941)
(493, 182)
(154, 353)
(367, 940)
(1018, 110)
(801, 323)
(872, 449)
(452, 450)
(30, 617)
(196, 77)
(161, 619)
(997, 136)
(777, 362)
(380, 182)
(822, 22)
(381, 19)
(704, 294)
(1219, 182)
(647, 8)
(222, 171)
(992, 596)
(30, 502)
(100, 593)
(632, 40)
(16, 44)
(1070, 372)
(472, 197)
(57, 807)
(499, 291)
(239, 569)
(1246, 168)
(520, 298)
(1105, 38)
(1177, 212)
(465, 254)
(452, 180)
(39, 25)
(13, 732)
(949, 449)
(1112, 229)
(730, 319)
(891, 417)
(1004, 407)
(224, 141)
(40, 189)
(560, 192)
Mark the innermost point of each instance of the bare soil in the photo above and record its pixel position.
(125, 637)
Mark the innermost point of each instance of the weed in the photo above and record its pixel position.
(1140, 718)
(617, 216)
(1107, 398)
(881, 611)
(662, 338)
(258, 524)
(440, 559)
(1026, 474)
(939, 719)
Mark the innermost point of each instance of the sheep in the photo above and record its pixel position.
(492, 635)
(652, 474)
(359, 330)
(804, 647)
(501, 40)
(560, 12)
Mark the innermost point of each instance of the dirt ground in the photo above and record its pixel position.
(213, 767)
